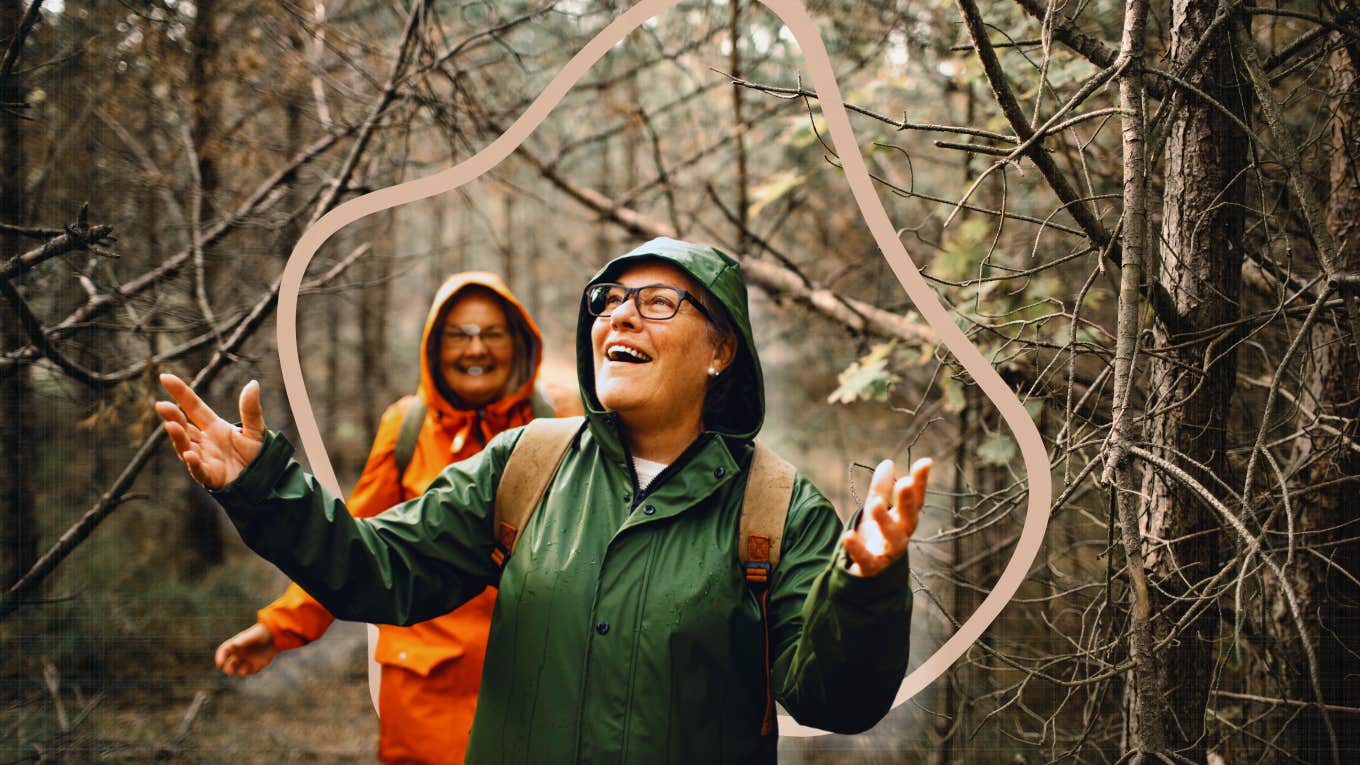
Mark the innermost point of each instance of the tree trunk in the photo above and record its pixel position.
(18, 531)
(1193, 373)
(373, 308)
(604, 232)
(741, 180)
(949, 721)
(203, 526)
(507, 237)
(1326, 515)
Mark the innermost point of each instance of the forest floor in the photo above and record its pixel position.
(309, 706)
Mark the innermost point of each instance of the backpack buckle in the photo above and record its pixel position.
(505, 542)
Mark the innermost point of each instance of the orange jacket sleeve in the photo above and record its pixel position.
(295, 618)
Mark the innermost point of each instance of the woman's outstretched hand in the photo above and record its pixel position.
(246, 652)
(214, 450)
(890, 514)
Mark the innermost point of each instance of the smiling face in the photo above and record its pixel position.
(476, 368)
(655, 371)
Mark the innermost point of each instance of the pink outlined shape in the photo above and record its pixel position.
(795, 17)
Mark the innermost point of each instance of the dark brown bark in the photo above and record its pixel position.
(204, 92)
(508, 238)
(604, 235)
(1327, 519)
(950, 720)
(374, 391)
(202, 521)
(1193, 369)
(742, 179)
(18, 531)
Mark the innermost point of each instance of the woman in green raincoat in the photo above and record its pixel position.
(625, 630)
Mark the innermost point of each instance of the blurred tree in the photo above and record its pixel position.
(18, 529)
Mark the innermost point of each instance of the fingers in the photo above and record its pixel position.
(237, 664)
(920, 475)
(175, 425)
(178, 437)
(860, 557)
(881, 484)
(199, 413)
(224, 654)
(909, 495)
(246, 652)
(229, 657)
(184, 446)
(170, 412)
(252, 414)
(891, 513)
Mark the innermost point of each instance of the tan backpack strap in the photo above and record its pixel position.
(769, 489)
(530, 469)
(765, 507)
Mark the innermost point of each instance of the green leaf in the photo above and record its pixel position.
(868, 379)
(773, 189)
(963, 247)
(997, 450)
(800, 134)
(954, 399)
(1034, 406)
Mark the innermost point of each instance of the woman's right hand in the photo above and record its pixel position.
(246, 652)
(214, 450)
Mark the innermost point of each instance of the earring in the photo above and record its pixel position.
(712, 372)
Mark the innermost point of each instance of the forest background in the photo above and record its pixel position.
(1147, 215)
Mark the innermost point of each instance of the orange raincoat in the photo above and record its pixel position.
(431, 670)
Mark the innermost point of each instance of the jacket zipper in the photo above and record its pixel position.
(639, 494)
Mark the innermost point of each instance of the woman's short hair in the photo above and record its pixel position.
(720, 330)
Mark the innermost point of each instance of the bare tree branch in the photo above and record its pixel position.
(74, 240)
(778, 281)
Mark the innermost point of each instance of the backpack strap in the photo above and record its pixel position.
(764, 509)
(769, 489)
(412, 418)
(531, 467)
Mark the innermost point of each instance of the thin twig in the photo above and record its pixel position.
(16, 44)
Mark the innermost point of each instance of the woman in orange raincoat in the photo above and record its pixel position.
(480, 354)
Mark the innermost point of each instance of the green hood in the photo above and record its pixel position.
(743, 410)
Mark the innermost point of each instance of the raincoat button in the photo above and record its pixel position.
(649, 510)
(719, 471)
(602, 628)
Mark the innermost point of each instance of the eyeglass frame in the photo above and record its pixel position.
(464, 337)
(633, 293)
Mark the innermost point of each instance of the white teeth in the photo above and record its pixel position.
(474, 371)
(620, 352)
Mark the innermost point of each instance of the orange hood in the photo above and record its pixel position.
(513, 406)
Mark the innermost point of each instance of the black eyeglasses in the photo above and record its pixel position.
(459, 336)
(654, 301)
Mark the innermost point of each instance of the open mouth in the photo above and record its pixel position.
(475, 371)
(626, 354)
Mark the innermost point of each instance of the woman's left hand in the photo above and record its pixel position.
(890, 514)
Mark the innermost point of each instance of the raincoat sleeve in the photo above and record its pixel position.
(414, 562)
(295, 618)
(839, 641)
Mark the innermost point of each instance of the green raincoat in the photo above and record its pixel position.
(624, 631)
